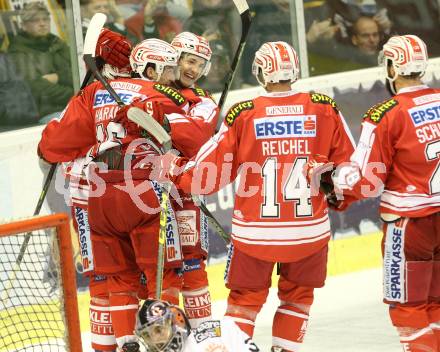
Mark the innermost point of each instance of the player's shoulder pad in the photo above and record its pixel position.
(170, 93)
(237, 109)
(200, 92)
(377, 112)
(319, 98)
(207, 329)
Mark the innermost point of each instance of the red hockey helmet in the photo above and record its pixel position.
(275, 62)
(408, 54)
(154, 51)
(187, 42)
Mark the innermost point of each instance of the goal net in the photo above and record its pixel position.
(38, 298)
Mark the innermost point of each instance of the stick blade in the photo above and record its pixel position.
(149, 124)
(96, 24)
(241, 5)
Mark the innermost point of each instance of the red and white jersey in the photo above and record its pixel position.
(400, 146)
(267, 141)
(189, 132)
(86, 128)
(219, 335)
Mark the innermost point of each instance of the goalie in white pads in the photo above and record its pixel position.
(164, 327)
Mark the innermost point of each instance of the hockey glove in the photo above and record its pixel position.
(318, 171)
(114, 48)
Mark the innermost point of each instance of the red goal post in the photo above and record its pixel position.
(38, 305)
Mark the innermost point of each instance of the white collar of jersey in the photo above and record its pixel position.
(412, 89)
(280, 94)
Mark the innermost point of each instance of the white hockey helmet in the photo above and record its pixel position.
(407, 53)
(187, 42)
(162, 326)
(154, 51)
(275, 62)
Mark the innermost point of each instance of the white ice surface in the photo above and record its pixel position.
(348, 316)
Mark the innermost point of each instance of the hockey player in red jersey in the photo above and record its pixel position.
(397, 157)
(124, 223)
(194, 63)
(267, 141)
(112, 51)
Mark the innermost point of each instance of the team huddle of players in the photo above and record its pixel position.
(277, 144)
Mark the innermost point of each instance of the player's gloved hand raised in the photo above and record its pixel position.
(121, 117)
(114, 48)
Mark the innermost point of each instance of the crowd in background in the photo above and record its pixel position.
(341, 35)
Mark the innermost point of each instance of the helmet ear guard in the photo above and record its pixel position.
(275, 62)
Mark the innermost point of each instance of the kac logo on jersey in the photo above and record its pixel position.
(285, 126)
(421, 115)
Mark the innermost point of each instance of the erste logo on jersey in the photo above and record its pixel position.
(102, 98)
(285, 126)
(421, 115)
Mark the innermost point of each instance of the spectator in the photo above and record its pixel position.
(42, 59)
(331, 33)
(17, 107)
(366, 38)
(217, 21)
(154, 21)
(115, 21)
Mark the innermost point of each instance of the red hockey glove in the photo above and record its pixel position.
(318, 171)
(122, 118)
(169, 167)
(114, 48)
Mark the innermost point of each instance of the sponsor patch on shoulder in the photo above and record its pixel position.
(319, 98)
(200, 92)
(171, 93)
(377, 112)
(237, 109)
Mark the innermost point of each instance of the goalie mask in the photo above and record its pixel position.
(407, 54)
(153, 51)
(187, 42)
(162, 327)
(275, 62)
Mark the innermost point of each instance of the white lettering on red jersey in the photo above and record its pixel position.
(86, 127)
(267, 141)
(403, 134)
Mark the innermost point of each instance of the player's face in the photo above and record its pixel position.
(191, 68)
(168, 75)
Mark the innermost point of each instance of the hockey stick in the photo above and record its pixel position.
(150, 125)
(246, 20)
(90, 42)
